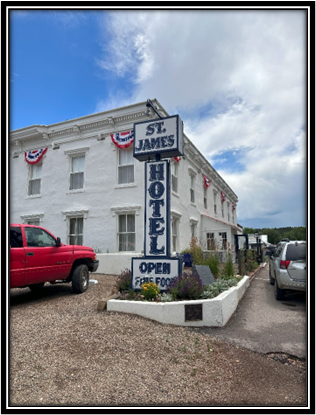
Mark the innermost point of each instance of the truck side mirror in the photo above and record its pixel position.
(58, 241)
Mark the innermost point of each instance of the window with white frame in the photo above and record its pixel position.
(210, 241)
(77, 172)
(223, 240)
(175, 224)
(215, 202)
(222, 208)
(75, 230)
(192, 189)
(228, 212)
(174, 176)
(193, 226)
(205, 197)
(174, 231)
(125, 165)
(126, 232)
(35, 178)
(233, 215)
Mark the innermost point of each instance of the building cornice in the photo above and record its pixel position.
(95, 126)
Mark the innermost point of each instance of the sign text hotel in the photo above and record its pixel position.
(154, 140)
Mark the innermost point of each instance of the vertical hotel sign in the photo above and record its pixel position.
(154, 140)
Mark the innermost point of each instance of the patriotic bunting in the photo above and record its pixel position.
(206, 181)
(223, 197)
(35, 156)
(123, 140)
(233, 205)
(177, 158)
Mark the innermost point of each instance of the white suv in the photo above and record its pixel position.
(287, 268)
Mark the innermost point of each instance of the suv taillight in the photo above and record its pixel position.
(284, 264)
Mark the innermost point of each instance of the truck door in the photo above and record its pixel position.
(45, 261)
(17, 258)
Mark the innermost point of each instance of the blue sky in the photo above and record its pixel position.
(237, 78)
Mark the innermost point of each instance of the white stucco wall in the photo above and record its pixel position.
(102, 198)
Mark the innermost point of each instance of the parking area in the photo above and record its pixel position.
(265, 325)
(64, 352)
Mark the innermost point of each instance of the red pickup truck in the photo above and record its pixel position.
(37, 256)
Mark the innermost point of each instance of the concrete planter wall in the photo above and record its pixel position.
(215, 312)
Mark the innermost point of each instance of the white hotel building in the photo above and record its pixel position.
(88, 191)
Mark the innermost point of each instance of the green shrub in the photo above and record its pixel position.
(213, 262)
(196, 251)
(124, 281)
(250, 264)
(213, 290)
(165, 297)
(150, 291)
(228, 268)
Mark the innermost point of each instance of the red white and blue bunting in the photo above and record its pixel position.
(123, 140)
(223, 197)
(206, 181)
(35, 156)
(233, 206)
(177, 158)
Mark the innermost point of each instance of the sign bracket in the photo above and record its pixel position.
(150, 104)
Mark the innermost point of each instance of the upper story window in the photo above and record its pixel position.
(174, 176)
(192, 177)
(215, 202)
(77, 160)
(192, 189)
(77, 172)
(125, 166)
(205, 197)
(228, 212)
(222, 208)
(35, 179)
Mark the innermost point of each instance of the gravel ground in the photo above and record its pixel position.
(64, 352)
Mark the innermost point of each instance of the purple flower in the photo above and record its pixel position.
(186, 287)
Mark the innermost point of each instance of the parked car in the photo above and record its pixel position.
(37, 257)
(287, 267)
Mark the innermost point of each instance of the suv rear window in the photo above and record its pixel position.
(296, 252)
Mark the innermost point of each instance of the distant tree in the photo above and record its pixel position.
(247, 231)
(275, 235)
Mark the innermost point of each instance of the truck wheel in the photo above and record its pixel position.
(278, 293)
(80, 279)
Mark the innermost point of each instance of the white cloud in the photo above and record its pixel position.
(249, 68)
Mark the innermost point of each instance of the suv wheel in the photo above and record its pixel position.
(80, 279)
(278, 293)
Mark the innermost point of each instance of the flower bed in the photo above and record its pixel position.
(214, 312)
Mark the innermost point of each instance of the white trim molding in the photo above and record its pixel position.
(75, 213)
(32, 216)
(125, 209)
